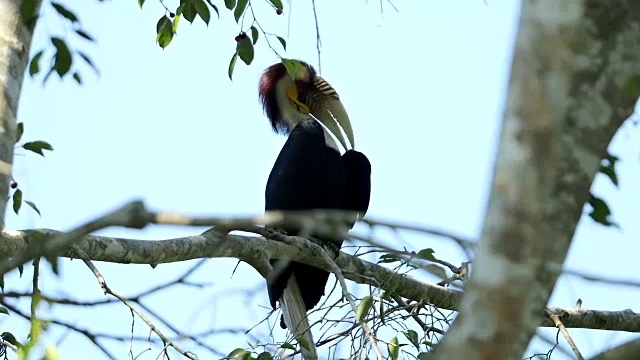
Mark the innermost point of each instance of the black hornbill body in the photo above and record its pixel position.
(310, 172)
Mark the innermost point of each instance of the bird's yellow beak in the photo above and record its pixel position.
(328, 109)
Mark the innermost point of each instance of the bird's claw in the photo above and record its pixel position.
(274, 232)
(329, 246)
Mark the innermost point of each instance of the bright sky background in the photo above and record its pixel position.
(424, 88)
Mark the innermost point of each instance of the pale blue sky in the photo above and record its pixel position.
(424, 88)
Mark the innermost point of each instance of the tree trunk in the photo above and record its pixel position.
(574, 80)
(15, 40)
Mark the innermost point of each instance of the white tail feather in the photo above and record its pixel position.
(295, 317)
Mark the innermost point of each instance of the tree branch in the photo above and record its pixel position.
(254, 250)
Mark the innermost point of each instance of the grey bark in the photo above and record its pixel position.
(256, 251)
(573, 82)
(15, 41)
(629, 350)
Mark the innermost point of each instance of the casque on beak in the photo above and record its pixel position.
(333, 115)
(324, 104)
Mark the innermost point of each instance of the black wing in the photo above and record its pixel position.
(357, 182)
(307, 175)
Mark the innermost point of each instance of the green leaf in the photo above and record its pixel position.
(236, 351)
(77, 78)
(17, 200)
(254, 34)
(214, 7)
(608, 167)
(264, 356)
(34, 66)
(83, 34)
(287, 346)
(62, 60)
(412, 336)
(610, 173)
(239, 354)
(189, 11)
(161, 23)
(65, 12)
(89, 62)
(51, 353)
(427, 254)
(245, 50)
(202, 10)
(35, 208)
(240, 8)
(611, 158)
(140, 3)
(294, 68)
(388, 258)
(393, 348)
(423, 356)
(19, 131)
(164, 28)
(37, 146)
(230, 4)
(176, 20)
(277, 4)
(283, 42)
(436, 270)
(600, 211)
(3, 310)
(364, 307)
(232, 65)
(8, 337)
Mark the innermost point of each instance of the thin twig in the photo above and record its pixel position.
(565, 333)
(86, 333)
(345, 292)
(111, 292)
(5, 343)
(415, 317)
(599, 278)
(35, 299)
(318, 43)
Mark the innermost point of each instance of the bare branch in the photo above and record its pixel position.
(152, 327)
(599, 278)
(565, 333)
(255, 250)
(84, 332)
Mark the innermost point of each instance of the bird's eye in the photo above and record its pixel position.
(304, 89)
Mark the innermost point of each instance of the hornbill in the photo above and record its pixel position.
(309, 173)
